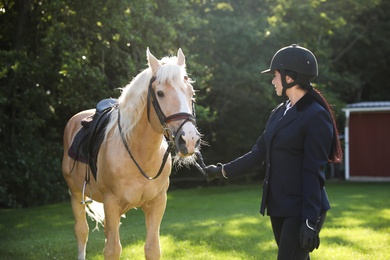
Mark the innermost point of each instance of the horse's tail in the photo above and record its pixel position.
(95, 211)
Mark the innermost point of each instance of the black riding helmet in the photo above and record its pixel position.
(298, 60)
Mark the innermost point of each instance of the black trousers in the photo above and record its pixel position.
(286, 233)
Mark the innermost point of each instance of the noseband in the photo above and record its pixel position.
(169, 135)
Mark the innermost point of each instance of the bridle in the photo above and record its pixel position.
(164, 120)
(169, 135)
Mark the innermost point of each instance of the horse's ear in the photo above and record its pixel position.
(154, 64)
(181, 59)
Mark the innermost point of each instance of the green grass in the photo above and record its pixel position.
(209, 223)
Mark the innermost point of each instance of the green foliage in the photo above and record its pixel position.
(60, 57)
(209, 223)
(233, 90)
(28, 177)
(362, 54)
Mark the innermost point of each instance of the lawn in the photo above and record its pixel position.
(209, 223)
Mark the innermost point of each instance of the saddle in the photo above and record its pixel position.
(86, 144)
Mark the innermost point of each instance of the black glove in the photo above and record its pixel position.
(213, 171)
(308, 236)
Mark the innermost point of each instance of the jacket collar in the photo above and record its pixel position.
(301, 105)
(304, 102)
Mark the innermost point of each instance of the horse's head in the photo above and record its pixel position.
(171, 98)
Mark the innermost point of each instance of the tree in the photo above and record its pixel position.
(63, 57)
(362, 57)
(229, 45)
(59, 57)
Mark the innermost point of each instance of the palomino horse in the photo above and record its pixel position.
(153, 113)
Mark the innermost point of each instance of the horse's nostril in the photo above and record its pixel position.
(182, 142)
(182, 145)
(197, 144)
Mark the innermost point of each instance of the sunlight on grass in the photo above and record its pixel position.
(385, 213)
(351, 243)
(241, 221)
(133, 251)
(174, 249)
(209, 223)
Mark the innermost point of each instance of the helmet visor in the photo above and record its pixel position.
(268, 71)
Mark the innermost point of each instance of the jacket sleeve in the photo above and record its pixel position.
(317, 144)
(243, 164)
(256, 156)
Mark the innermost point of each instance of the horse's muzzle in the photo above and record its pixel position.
(187, 140)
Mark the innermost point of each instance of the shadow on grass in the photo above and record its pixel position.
(223, 222)
(363, 205)
(340, 241)
(238, 235)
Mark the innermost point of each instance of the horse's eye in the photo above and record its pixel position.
(160, 93)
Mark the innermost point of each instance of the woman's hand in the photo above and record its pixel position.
(213, 172)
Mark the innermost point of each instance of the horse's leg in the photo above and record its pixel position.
(81, 228)
(154, 211)
(113, 247)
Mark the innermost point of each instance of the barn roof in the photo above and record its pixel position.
(368, 106)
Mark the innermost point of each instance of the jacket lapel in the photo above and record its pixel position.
(279, 121)
(291, 115)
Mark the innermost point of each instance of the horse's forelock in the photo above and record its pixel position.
(172, 74)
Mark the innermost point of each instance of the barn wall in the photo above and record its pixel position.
(369, 144)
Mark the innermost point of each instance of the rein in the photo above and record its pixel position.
(167, 152)
(164, 120)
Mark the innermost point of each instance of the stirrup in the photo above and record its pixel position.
(89, 201)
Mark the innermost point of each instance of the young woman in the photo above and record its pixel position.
(300, 138)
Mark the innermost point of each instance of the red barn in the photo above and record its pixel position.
(367, 141)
